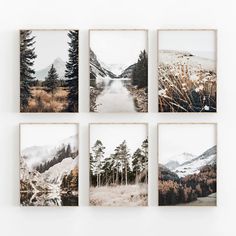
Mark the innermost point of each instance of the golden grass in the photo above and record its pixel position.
(182, 90)
(43, 101)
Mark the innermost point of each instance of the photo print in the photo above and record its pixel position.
(49, 65)
(118, 165)
(49, 158)
(118, 71)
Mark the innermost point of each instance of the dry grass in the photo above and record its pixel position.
(184, 89)
(130, 195)
(43, 101)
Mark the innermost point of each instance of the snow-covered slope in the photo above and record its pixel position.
(32, 179)
(174, 57)
(117, 69)
(179, 160)
(55, 174)
(194, 165)
(59, 65)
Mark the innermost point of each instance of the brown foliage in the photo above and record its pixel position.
(187, 189)
(43, 101)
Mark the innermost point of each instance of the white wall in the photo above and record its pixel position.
(85, 14)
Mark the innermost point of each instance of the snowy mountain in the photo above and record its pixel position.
(59, 65)
(179, 160)
(194, 165)
(97, 71)
(35, 155)
(117, 69)
(55, 174)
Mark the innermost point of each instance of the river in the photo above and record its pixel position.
(115, 97)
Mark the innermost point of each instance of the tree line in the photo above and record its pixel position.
(51, 83)
(61, 154)
(173, 190)
(119, 168)
(140, 71)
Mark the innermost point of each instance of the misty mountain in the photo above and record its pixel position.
(60, 67)
(179, 160)
(194, 165)
(116, 69)
(36, 155)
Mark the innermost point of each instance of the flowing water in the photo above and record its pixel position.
(115, 97)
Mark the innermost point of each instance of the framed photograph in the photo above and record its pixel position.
(187, 70)
(187, 164)
(49, 70)
(118, 67)
(118, 164)
(49, 157)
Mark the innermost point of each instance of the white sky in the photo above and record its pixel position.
(49, 45)
(45, 134)
(113, 135)
(117, 46)
(174, 139)
(200, 43)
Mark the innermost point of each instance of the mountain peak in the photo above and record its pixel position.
(58, 60)
(59, 65)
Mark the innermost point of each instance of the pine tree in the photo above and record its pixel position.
(27, 56)
(72, 71)
(137, 164)
(68, 151)
(51, 81)
(144, 149)
(98, 154)
(122, 162)
(140, 72)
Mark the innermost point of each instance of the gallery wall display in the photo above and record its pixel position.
(118, 164)
(118, 70)
(49, 164)
(118, 152)
(187, 162)
(49, 66)
(187, 73)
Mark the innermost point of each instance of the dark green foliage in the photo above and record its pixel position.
(51, 81)
(27, 56)
(72, 71)
(140, 71)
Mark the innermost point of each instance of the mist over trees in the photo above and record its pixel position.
(27, 56)
(119, 168)
(61, 154)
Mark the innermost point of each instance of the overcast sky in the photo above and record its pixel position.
(174, 139)
(113, 135)
(45, 134)
(200, 43)
(118, 47)
(50, 44)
